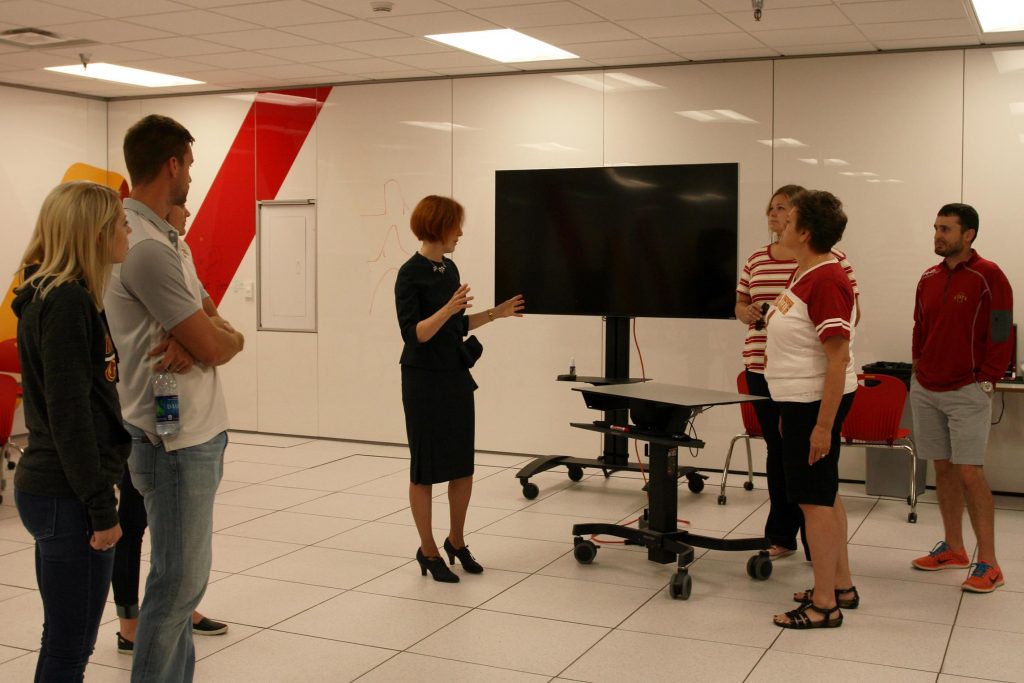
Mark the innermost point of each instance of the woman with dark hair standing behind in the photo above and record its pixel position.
(810, 373)
(77, 446)
(437, 389)
(765, 274)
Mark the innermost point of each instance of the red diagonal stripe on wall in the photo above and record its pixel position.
(258, 161)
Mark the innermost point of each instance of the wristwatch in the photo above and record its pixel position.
(986, 386)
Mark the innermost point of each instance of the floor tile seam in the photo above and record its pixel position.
(860, 661)
(988, 630)
(226, 532)
(562, 673)
(231, 526)
(259, 629)
(697, 638)
(851, 534)
(408, 650)
(320, 585)
(356, 588)
(275, 464)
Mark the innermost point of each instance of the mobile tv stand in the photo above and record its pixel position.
(615, 455)
(659, 413)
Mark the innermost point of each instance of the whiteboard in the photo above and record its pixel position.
(286, 271)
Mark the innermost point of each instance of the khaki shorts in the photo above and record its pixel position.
(951, 425)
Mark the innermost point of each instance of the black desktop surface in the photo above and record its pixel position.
(669, 394)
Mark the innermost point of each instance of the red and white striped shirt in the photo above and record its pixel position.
(817, 305)
(763, 280)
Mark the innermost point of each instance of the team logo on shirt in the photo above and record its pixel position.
(960, 298)
(110, 358)
(783, 303)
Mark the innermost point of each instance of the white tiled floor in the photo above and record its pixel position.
(314, 570)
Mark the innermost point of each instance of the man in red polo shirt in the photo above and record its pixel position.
(962, 343)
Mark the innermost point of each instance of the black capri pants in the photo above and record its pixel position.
(806, 484)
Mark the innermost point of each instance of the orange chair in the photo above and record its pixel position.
(8, 402)
(874, 421)
(751, 430)
(9, 361)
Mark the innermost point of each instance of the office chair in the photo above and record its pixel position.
(8, 402)
(874, 421)
(751, 430)
(9, 361)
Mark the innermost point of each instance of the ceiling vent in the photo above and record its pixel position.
(36, 38)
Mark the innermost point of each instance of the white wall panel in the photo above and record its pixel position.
(286, 381)
(530, 121)
(726, 109)
(380, 149)
(993, 172)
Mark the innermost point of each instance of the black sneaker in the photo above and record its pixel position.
(125, 647)
(209, 627)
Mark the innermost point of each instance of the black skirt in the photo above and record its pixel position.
(439, 423)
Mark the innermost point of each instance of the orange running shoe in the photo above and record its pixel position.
(984, 578)
(942, 557)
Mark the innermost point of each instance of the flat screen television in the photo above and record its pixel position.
(634, 241)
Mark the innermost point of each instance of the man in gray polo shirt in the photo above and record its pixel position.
(155, 308)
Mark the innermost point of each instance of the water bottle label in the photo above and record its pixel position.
(166, 409)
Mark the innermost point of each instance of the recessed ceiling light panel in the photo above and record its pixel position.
(503, 45)
(997, 16)
(124, 74)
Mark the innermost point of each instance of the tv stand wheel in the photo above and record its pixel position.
(680, 585)
(575, 472)
(530, 491)
(695, 482)
(584, 551)
(721, 499)
(748, 486)
(912, 518)
(760, 566)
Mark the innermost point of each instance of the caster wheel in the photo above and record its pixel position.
(530, 491)
(575, 472)
(912, 518)
(759, 567)
(696, 484)
(909, 502)
(680, 585)
(721, 500)
(748, 486)
(584, 551)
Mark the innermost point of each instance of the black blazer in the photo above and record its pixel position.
(422, 288)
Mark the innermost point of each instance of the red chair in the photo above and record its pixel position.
(751, 430)
(8, 402)
(874, 421)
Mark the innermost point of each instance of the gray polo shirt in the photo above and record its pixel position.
(150, 293)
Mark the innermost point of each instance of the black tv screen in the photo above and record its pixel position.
(645, 241)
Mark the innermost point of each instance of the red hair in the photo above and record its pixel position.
(434, 218)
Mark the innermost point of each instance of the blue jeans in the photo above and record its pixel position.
(73, 582)
(178, 488)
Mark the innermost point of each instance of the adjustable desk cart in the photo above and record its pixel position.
(659, 413)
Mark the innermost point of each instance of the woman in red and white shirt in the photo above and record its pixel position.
(765, 274)
(811, 376)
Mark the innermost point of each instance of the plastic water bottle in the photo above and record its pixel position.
(165, 393)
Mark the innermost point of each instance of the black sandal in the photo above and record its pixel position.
(799, 620)
(845, 603)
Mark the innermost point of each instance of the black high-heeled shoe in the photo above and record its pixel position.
(469, 562)
(437, 568)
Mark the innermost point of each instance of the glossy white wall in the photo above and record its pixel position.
(691, 114)
(528, 121)
(993, 169)
(380, 148)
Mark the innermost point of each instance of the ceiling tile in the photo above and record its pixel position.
(697, 24)
(921, 43)
(208, 4)
(118, 9)
(473, 71)
(903, 10)
(438, 22)
(357, 66)
(112, 54)
(643, 9)
(826, 48)
(580, 33)
(541, 14)
(770, 5)
(554, 64)
(397, 46)
(1004, 37)
(283, 13)
(362, 9)
(344, 31)
(32, 60)
(445, 59)
(617, 48)
(668, 58)
(812, 36)
(800, 17)
(939, 28)
(721, 41)
(109, 31)
(258, 39)
(291, 71)
(191, 22)
(398, 75)
(178, 47)
(753, 53)
(312, 53)
(239, 60)
(38, 14)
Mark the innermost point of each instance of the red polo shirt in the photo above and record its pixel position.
(953, 324)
